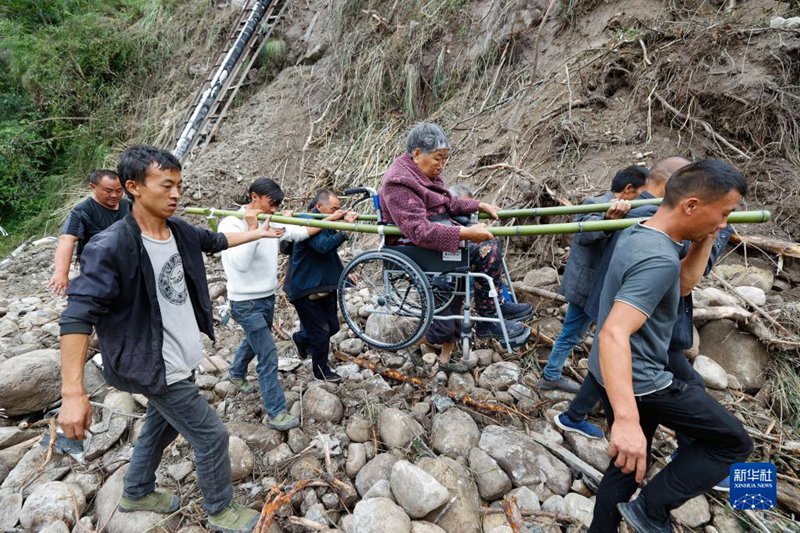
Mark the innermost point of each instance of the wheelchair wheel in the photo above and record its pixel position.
(385, 299)
(443, 289)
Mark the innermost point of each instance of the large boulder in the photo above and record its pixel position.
(322, 406)
(52, 501)
(105, 505)
(454, 433)
(398, 428)
(463, 514)
(379, 515)
(30, 382)
(739, 353)
(416, 490)
(525, 461)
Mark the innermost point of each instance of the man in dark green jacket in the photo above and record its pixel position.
(311, 284)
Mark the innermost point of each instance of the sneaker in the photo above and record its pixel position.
(492, 330)
(283, 422)
(244, 385)
(724, 485)
(584, 427)
(516, 311)
(563, 384)
(635, 515)
(155, 502)
(328, 375)
(234, 518)
(301, 347)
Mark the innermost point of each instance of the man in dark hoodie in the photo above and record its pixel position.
(311, 284)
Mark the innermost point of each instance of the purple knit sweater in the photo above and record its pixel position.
(409, 197)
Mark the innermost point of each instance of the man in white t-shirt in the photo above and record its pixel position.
(252, 272)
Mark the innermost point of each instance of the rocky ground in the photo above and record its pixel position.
(396, 447)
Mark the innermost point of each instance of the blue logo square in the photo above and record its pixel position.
(754, 486)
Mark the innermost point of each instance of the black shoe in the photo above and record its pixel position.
(516, 311)
(328, 375)
(492, 330)
(302, 349)
(636, 516)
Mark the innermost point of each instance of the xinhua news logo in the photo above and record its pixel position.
(754, 486)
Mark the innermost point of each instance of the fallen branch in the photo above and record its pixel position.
(719, 312)
(757, 309)
(573, 461)
(277, 498)
(536, 291)
(775, 246)
(513, 515)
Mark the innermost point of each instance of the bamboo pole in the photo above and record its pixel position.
(739, 217)
(530, 212)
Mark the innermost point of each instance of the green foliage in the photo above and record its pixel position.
(69, 71)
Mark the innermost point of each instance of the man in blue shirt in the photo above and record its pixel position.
(629, 362)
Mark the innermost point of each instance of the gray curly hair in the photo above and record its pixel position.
(428, 137)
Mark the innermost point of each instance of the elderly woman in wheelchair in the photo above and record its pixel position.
(414, 198)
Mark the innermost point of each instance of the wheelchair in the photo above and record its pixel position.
(400, 290)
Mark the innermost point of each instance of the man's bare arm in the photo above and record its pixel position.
(627, 441)
(60, 280)
(75, 415)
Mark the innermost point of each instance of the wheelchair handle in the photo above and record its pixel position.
(359, 190)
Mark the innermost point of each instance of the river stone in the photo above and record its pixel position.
(378, 468)
(454, 433)
(7, 326)
(593, 451)
(358, 430)
(727, 521)
(555, 504)
(306, 466)
(352, 346)
(258, 437)
(242, 460)
(278, 454)
(380, 515)
(27, 475)
(59, 526)
(30, 382)
(714, 376)
(527, 500)
(356, 459)
(10, 507)
(322, 406)
(460, 381)
(754, 295)
(421, 526)
(579, 507)
(524, 460)
(500, 376)
(114, 423)
(694, 351)
(492, 481)
(541, 277)
(463, 514)
(381, 489)
(416, 490)
(398, 428)
(51, 501)
(742, 276)
(714, 297)
(693, 513)
(739, 353)
(389, 328)
(105, 505)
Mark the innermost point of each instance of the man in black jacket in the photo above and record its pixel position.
(311, 285)
(143, 288)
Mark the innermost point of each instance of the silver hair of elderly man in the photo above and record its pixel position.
(428, 137)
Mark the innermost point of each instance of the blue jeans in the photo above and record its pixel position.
(182, 410)
(576, 324)
(255, 317)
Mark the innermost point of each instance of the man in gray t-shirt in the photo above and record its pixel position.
(645, 275)
(183, 349)
(629, 362)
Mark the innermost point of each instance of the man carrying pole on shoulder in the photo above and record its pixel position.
(629, 362)
(143, 288)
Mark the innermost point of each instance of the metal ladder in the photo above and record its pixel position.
(226, 77)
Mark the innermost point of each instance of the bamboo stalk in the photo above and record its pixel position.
(739, 217)
(529, 212)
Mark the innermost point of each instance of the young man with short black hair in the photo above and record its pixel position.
(629, 362)
(106, 205)
(143, 288)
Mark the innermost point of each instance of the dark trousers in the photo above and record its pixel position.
(588, 395)
(718, 441)
(182, 410)
(486, 257)
(318, 323)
